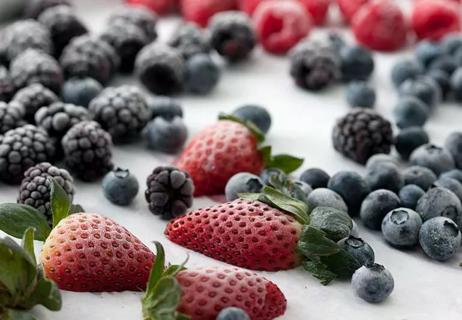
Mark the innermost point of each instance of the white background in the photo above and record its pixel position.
(302, 124)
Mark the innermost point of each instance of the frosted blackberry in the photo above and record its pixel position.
(35, 7)
(89, 57)
(35, 188)
(33, 66)
(87, 150)
(7, 88)
(63, 24)
(33, 97)
(11, 116)
(170, 192)
(190, 39)
(361, 134)
(22, 148)
(160, 68)
(139, 16)
(314, 65)
(122, 111)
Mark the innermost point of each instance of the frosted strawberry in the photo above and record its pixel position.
(200, 11)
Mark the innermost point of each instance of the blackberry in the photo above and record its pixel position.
(34, 66)
(25, 34)
(35, 7)
(33, 97)
(7, 87)
(232, 35)
(35, 187)
(190, 39)
(63, 24)
(11, 116)
(122, 111)
(87, 150)
(59, 117)
(139, 16)
(314, 65)
(89, 57)
(160, 68)
(361, 134)
(170, 192)
(22, 148)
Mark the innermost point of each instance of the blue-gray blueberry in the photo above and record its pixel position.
(410, 195)
(165, 135)
(120, 186)
(359, 249)
(439, 238)
(410, 112)
(435, 158)
(315, 177)
(401, 227)
(440, 202)
(373, 283)
(352, 187)
(256, 114)
(360, 94)
(323, 197)
(376, 205)
(409, 139)
(384, 176)
(420, 176)
(242, 182)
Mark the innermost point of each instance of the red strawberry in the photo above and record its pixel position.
(200, 11)
(349, 8)
(158, 6)
(433, 19)
(380, 25)
(318, 9)
(91, 253)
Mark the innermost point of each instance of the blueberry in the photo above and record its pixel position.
(357, 63)
(442, 79)
(373, 283)
(439, 238)
(352, 187)
(453, 174)
(305, 188)
(315, 177)
(360, 94)
(444, 63)
(405, 69)
(456, 84)
(376, 205)
(453, 144)
(323, 197)
(410, 112)
(409, 139)
(336, 41)
(420, 176)
(384, 176)
(422, 88)
(337, 224)
(232, 313)
(359, 249)
(257, 114)
(451, 43)
(437, 159)
(409, 195)
(427, 51)
(450, 184)
(165, 107)
(380, 158)
(166, 136)
(440, 202)
(120, 187)
(80, 91)
(242, 182)
(269, 174)
(401, 227)
(201, 74)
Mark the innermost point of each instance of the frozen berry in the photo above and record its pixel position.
(158, 6)
(437, 159)
(427, 51)
(139, 16)
(442, 79)
(256, 114)
(323, 197)
(409, 195)
(232, 313)
(315, 177)
(424, 89)
(409, 139)
(359, 249)
(80, 91)
(450, 184)
(380, 158)
(11, 116)
(34, 97)
(7, 88)
(410, 112)
(384, 176)
(405, 69)
(456, 84)
(373, 283)
(420, 176)
(453, 174)
(440, 202)
(321, 219)
(400, 227)
(376, 205)
(360, 94)
(164, 107)
(200, 11)
(440, 238)
(201, 74)
(318, 9)
(452, 43)
(242, 182)
(453, 144)
(357, 63)
(349, 8)
(190, 39)
(120, 186)
(166, 135)
(352, 187)
(35, 7)
(269, 174)
(444, 63)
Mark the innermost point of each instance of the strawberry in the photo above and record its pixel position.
(158, 6)
(200, 11)
(380, 25)
(349, 8)
(318, 9)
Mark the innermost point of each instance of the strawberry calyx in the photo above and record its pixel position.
(259, 135)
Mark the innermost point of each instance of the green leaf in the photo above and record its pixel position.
(18, 315)
(266, 153)
(60, 202)
(76, 208)
(157, 269)
(28, 244)
(319, 271)
(15, 219)
(285, 162)
(259, 135)
(313, 242)
(337, 224)
(279, 200)
(45, 293)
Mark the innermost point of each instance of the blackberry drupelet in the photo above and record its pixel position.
(7, 88)
(33, 97)
(35, 7)
(139, 16)
(170, 192)
(122, 111)
(361, 134)
(160, 68)
(190, 39)
(33, 66)
(86, 56)
(314, 65)
(232, 35)
(63, 24)
(87, 151)
(35, 188)
(22, 148)
(11, 116)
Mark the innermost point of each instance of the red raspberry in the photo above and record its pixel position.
(158, 6)
(380, 25)
(318, 9)
(200, 11)
(433, 19)
(281, 25)
(248, 6)
(349, 8)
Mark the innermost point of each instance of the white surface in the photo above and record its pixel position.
(302, 124)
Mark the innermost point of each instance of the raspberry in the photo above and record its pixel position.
(248, 6)
(281, 25)
(433, 19)
(349, 8)
(380, 25)
(158, 6)
(200, 11)
(318, 10)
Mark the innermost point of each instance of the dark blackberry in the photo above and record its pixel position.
(361, 134)
(314, 65)
(190, 39)
(34, 66)
(25, 34)
(35, 187)
(170, 192)
(22, 148)
(35, 7)
(89, 57)
(122, 111)
(232, 35)
(33, 97)
(7, 87)
(63, 24)
(59, 117)
(127, 40)
(11, 116)
(87, 150)
(139, 16)
(160, 68)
